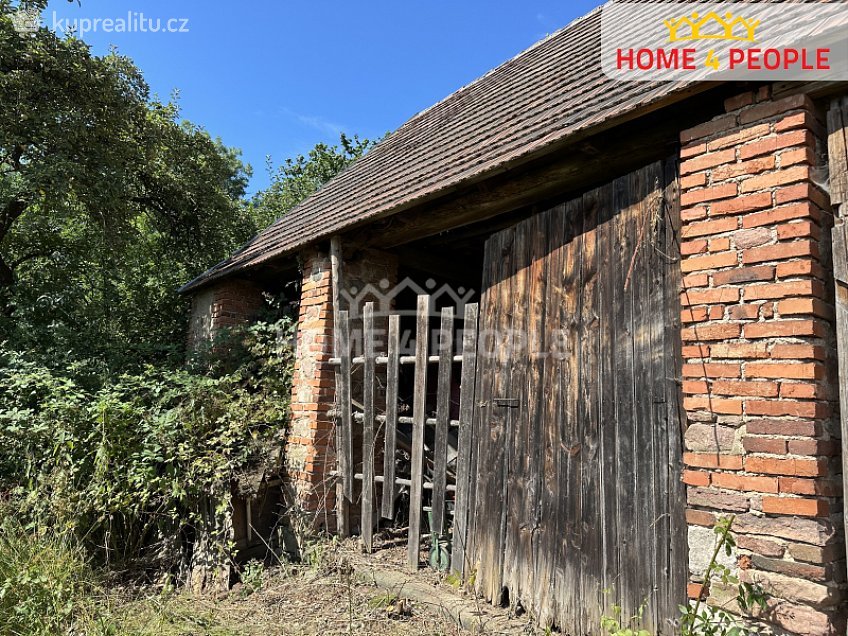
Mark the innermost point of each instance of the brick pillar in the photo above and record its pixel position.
(310, 453)
(759, 375)
(309, 444)
(228, 303)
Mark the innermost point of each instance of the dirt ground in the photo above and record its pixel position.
(341, 591)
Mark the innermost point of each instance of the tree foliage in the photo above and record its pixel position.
(107, 200)
(297, 178)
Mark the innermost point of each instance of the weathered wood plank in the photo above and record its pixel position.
(837, 119)
(342, 501)
(675, 414)
(591, 533)
(419, 410)
(546, 254)
(368, 387)
(482, 412)
(657, 428)
(463, 461)
(443, 394)
(518, 429)
(627, 585)
(389, 458)
(346, 454)
(492, 567)
(608, 264)
(571, 511)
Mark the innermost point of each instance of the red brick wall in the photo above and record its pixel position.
(759, 378)
(228, 303)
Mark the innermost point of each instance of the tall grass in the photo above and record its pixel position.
(47, 586)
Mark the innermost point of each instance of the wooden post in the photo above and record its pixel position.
(463, 460)
(837, 143)
(344, 488)
(367, 521)
(345, 453)
(392, 371)
(443, 393)
(419, 415)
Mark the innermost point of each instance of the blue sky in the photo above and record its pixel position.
(276, 77)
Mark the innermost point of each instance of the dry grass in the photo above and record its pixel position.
(321, 599)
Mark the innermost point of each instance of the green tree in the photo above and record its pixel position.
(107, 200)
(298, 178)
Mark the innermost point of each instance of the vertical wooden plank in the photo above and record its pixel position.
(546, 250)
(678, 547)
(490, 523)
(443, 397)
(660, 433)
(840, 274)
(590, 320)
(346, 455)
(644, 543)
(481, 439)
(651, 322)
(571, 512)
(419, 415)
(626, 232)
(393, 366)
(463, 460)
(369, 382)
(606, 395)
(342, 498)
(516, 441)
(837, 118)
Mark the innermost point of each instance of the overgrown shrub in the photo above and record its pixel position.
(124, 462)
(46, 584)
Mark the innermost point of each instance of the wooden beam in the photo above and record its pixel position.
(837, 118)
(555, 177)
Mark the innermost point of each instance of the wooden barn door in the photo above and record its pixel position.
(578, 500)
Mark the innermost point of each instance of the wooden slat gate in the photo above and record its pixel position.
(577, 440)
(379, 423)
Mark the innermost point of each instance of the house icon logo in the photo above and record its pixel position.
(712, 26)
(26, 20)
(384, 296)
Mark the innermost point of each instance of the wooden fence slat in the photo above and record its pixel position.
(369, 382)
(388, 508)
(419, 408)
(463, 459)
(336, 274)
(443, 401)
(346, 450)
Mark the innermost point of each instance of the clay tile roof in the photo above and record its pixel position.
(541, 97)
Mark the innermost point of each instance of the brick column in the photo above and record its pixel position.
(310, 453)
(228, 303)
(759, 375)
(309, 445)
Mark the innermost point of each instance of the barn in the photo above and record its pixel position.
(562, 325)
